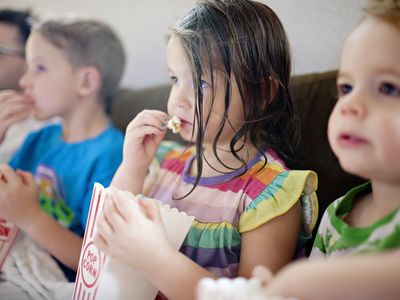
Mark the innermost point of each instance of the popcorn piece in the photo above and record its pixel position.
(174, 124)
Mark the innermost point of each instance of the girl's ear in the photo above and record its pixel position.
(89, 81)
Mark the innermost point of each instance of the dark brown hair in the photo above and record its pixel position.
(244, 39)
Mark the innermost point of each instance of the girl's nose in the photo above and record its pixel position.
(181, 98)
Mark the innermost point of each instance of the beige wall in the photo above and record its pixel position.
(316, 29)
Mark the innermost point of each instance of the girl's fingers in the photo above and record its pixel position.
(151, 118)
(100, 243)
(104, 228)
(126, 207)
(151, 209)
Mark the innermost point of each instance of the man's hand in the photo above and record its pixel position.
(14, 107)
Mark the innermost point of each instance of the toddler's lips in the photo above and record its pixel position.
(350, 140)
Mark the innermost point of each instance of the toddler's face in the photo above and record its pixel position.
(364, 127)
(181, 100)
(50, 79)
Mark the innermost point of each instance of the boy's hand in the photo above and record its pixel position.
(133, 233)
(18, 197)
(14, 107)
(142, 139)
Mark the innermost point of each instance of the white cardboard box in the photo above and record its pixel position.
(100, 277)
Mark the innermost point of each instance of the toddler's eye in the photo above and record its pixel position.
(344, 89)
(389, 90)
(204, 84)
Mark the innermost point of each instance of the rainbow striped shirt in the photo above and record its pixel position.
(225, 206)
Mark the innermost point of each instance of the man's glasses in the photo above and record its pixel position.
(12, 52)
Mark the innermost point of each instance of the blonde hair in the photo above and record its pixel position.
(388, 10)
(89, 43)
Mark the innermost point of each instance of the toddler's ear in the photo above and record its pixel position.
(89, 81)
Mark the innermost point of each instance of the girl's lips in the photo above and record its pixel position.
(184, 122)
(349, 140)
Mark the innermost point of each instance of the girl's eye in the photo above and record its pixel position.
(344, 89)
(389, 89)
(204, 84)
(174, 80)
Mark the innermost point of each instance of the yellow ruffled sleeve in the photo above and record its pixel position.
(279, 196)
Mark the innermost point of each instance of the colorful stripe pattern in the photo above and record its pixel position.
(337, 238)
(224, 207)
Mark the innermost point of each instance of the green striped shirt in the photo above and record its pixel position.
(337, 238)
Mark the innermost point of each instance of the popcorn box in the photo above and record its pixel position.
(8, 235)
(101, 277)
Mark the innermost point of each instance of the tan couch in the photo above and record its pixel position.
(314, 96)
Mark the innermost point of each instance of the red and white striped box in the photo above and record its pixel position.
(91, 259)
(100, 277)
(8, 235)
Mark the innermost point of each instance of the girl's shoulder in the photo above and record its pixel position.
(274, 189)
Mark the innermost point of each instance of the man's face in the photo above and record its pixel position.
(12, 62)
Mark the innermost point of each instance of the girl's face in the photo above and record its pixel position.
(364, 127)
(181, 100)
(50, 80)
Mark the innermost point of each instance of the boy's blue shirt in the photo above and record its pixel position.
(65, 172)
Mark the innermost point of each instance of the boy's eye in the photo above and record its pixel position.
(39, 68)
(344, 89)
(389, 89)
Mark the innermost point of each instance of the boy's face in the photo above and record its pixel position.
(12, 62)
(364, 127)
(181, 100)
(50, 80)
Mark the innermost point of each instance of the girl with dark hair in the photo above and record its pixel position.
(229, 63)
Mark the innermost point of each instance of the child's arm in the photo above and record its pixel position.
(142, 139)
(19, 205)
(368, 276)
(272, 244)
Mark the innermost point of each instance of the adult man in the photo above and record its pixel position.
(15, 27)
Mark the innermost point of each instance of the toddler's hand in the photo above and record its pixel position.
(14, 108)
(18, 197)
(133, 232)
(263, 274)
(143, 137)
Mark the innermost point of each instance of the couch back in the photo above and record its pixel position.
(314, 97)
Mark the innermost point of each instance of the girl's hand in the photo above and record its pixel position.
(142, 139)
(18, 197)
(133, 233)
(14, 108)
